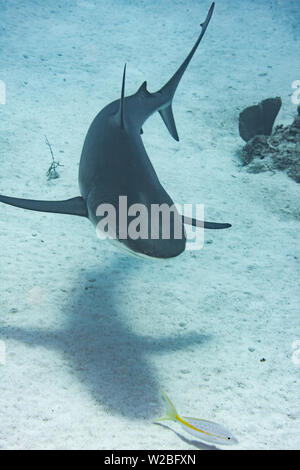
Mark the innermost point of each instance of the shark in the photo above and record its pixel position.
(114, 165)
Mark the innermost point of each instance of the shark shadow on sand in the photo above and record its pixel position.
(102, 350)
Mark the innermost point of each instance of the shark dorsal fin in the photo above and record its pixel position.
(121, 109)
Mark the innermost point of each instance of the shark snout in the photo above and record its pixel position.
(160, 249)
(158, 234)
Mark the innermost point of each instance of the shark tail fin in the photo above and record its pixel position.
(171, 413)
(168, 118)
(168, 90)
(121, 109)
(74, 206)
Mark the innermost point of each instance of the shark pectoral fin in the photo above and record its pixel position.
(74, 206)
(203, 224)
(168, 118)
(216, 225)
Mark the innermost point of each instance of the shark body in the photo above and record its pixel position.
(114, 162)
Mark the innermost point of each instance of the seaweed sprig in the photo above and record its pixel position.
(52, 173)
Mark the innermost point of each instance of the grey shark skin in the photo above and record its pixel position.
(114, 162)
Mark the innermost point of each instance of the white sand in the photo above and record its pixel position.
(92, 334)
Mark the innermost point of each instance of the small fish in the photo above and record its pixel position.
(202, 429)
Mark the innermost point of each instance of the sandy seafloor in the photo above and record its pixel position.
(92, 335)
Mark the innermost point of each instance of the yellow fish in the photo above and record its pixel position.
(202, 429)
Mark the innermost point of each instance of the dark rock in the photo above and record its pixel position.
(259, 119)
(280, 151)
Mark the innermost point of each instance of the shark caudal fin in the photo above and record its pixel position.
(168, 90)
(168, 118)
(146, 103)
(74, 206)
